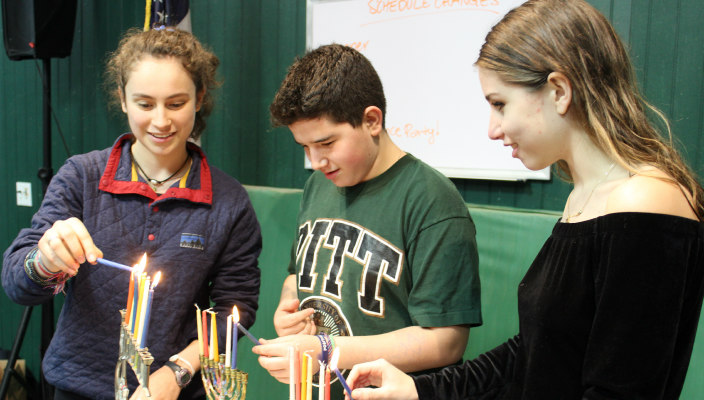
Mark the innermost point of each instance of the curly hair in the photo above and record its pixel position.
(200, 63)
(334, 81)
(572, 37)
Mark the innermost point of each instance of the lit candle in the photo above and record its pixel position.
(140, 299)
(130, 295)
(205, 334)
(137, 274)
(333, 366)
(309, 376)
(143, 342)
(228, 342)
(236, 321)
(142, 310)
(243, 329)
(304, 375)
(199, 325)
(327, 383)
(321, 381)
(214, 349)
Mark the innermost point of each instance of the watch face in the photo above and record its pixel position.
(183, 377)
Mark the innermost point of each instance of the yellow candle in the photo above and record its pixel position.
(304, 376)
(214, 338)
(309, 378)
(200, 330)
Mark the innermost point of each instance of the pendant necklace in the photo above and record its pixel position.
(154, 182)
(581, 210)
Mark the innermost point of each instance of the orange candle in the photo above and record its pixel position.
(205, 334)
(130, 294)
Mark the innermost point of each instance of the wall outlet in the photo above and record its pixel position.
(24, 194)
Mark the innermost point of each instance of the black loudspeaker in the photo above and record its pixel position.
(38, 28)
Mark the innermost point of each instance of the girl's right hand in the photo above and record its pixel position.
(67, 245)
(391, 382)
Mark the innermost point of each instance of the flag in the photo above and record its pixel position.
(176, 13)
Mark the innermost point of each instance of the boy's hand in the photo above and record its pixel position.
(289, 321)
(274, 354)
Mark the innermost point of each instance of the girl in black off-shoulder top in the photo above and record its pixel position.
(610, 306)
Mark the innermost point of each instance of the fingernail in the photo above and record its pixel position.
(81, 260)
(92, 258)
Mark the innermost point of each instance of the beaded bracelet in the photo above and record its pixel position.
(55, 280)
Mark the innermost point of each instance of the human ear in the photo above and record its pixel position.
(199, 99)
(372, 119)
(123, 104)
(560, 91)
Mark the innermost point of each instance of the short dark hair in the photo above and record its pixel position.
(334, 81)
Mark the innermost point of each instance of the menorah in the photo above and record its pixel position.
(140, 360)
(221, 382)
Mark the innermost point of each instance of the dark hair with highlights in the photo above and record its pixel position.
(201, 64)
(573, 38)
(331, 81)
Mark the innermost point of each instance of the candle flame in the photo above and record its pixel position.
(156, 280)
(140, 265)
(335, 357)
(235, 315)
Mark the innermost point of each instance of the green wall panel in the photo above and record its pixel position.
(256, 40)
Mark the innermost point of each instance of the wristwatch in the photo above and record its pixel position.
(183, 375)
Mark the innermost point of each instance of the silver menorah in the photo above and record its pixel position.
(221, 382)
(140, 360)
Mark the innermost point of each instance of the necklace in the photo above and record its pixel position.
(581, 210)
(154, 182)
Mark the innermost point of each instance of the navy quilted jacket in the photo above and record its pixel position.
(126, 219)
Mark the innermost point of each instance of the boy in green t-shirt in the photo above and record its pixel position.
(385, 259)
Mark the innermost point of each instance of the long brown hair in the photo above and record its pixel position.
(572, 37)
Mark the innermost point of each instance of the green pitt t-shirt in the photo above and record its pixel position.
(395, 251)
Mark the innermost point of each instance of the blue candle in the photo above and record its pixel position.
(113, 264)
(333, 366)
(143, 340)
(242, 328)
(234, 340)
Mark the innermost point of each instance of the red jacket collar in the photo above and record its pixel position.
(110, 182)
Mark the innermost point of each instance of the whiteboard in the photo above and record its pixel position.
(424, 51)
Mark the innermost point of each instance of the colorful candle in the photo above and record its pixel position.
(137, 274)
(228, 342)
(199, 327)
(143, 341)
(142, 310)
(235, 321)
(297, 372)
(113, 264)
(321, 381)
(130, 297)
(333, 366)
(291, 375)
(309, 376)
(327, 383)
(243, 329)
(214, 350)
(205, 334)
(304, 375)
